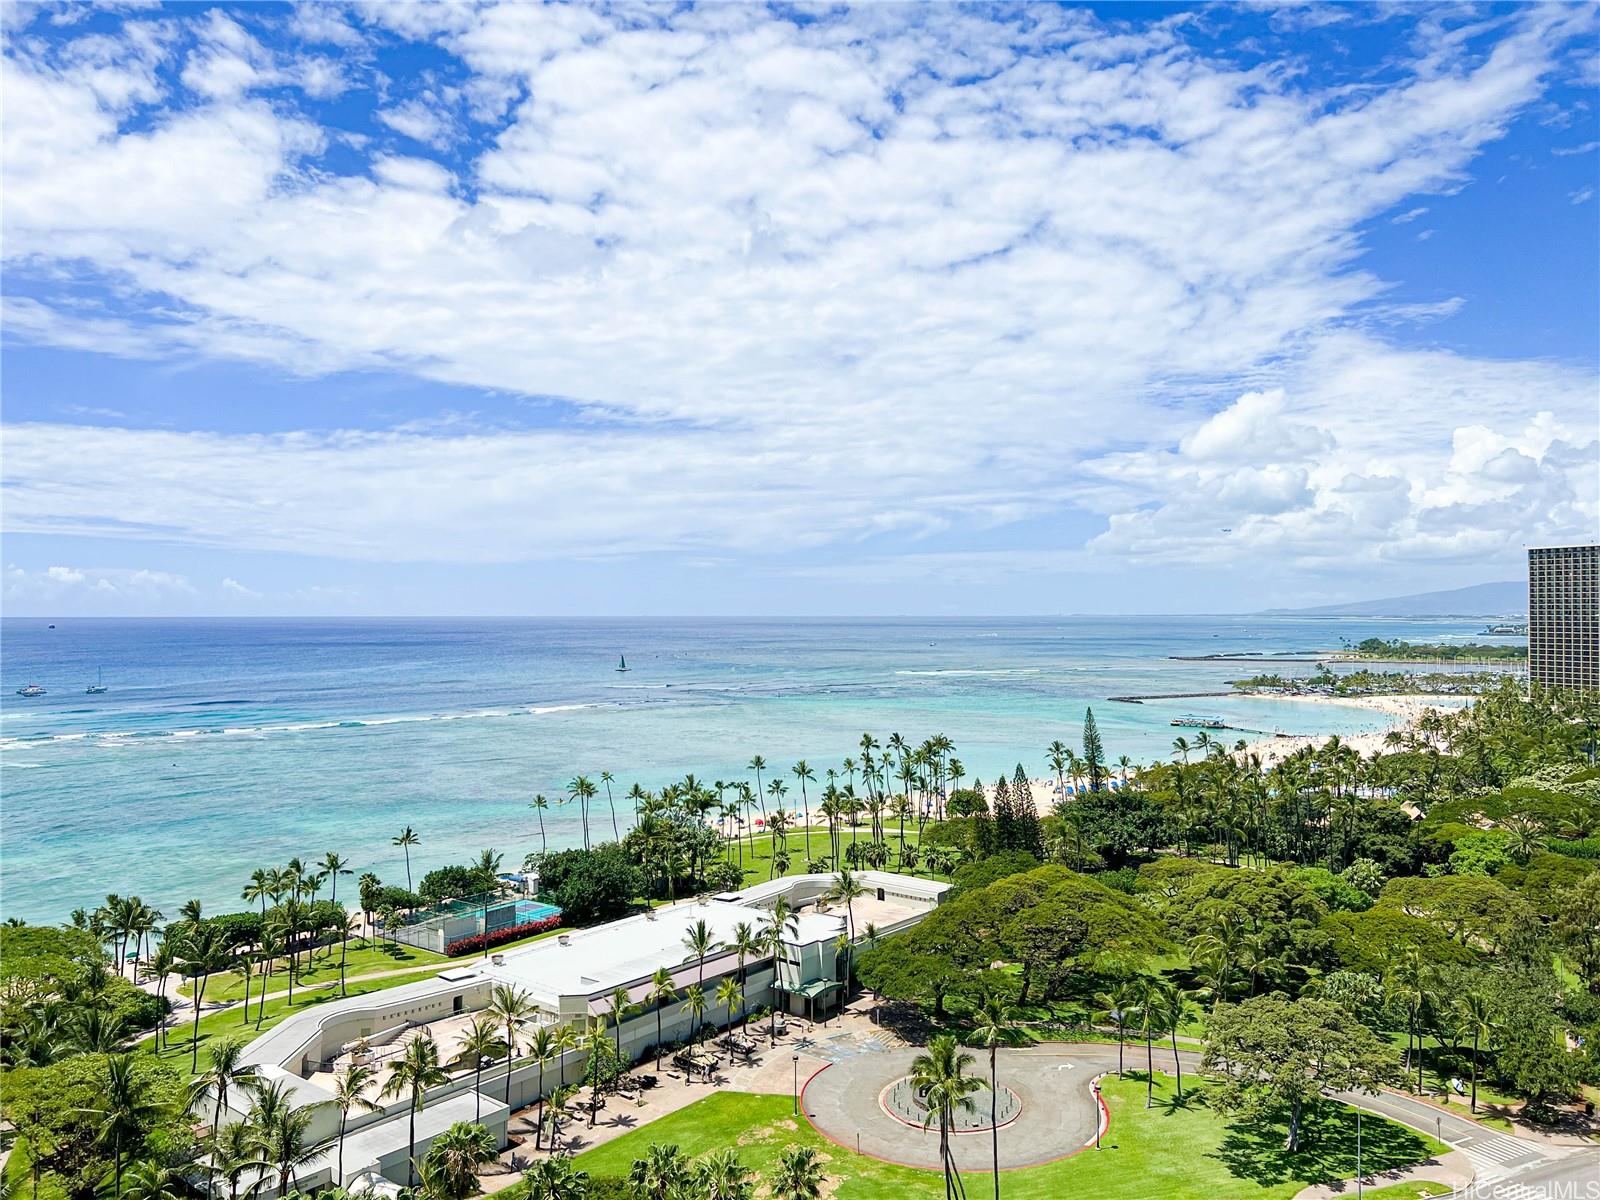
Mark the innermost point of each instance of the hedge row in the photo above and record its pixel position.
(477, 943)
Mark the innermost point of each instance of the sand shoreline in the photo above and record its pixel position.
(1404, 710)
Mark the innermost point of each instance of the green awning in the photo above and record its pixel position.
(812, 990)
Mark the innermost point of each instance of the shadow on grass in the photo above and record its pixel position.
(1327, 1148)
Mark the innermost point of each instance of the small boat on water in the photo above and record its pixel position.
(1191, 721)
(33, 689)
(622, 662)
(98, 687)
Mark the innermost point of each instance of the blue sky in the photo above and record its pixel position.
(555, 309)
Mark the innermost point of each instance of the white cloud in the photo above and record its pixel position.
(799, 288)
(234, 587)
(91, 589)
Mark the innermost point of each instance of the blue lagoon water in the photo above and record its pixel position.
(225, 745)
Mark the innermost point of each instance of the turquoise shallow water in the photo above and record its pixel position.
(225, 745)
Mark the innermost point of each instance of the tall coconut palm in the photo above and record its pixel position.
(941, 1080)
(1118, 1004)
(1478, 1018)
(555, 1178)
(607, 778)
(798, 1175)
(509, 1007)
(582, 790)
(622, 1007)
(1412, 981)
(481, 1044)
(123, 1110)
(415, 1072)
(334, 865)
(406, 839)
(203, 952)
(159, 966)
(803, 772)
(758, 765)
(660, 995)
(225, 1068)
(694, 1003)
(700, 942)
(781, 919)
(539, 805)
(730, 995)
(1151, 1008)
(846, 890)
(542, 1047)
(350, 1093)
(995, 1026)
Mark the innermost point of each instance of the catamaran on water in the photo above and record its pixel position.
(32, 689)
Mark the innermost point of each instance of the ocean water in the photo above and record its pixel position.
(221, 746)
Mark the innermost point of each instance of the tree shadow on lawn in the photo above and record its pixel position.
(1327, 1148)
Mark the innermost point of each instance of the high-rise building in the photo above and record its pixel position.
(1564, 616)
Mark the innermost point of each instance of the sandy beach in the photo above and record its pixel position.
(1404, 711)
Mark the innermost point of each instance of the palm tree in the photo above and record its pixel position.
(1117, 1003)
(542, 1048)
(334, 866)
(847, 890)
(1150, 993)
(661, 993)
(662, 1175)
(245, 963)
(729, 994)
(1175, 1008)
(560, 1107)
(508, 1007)
(554, 1178)
(449, 1169)
(281, 1145)
(415, 1072)
(798, 1175)
(232, 1151)
(596, 1046)
(781, 917)
(226, 1069)
(123, 1111)
(154, 1181)
(582, 790)
(803, 772)
(700, 942)
(721, 1176)
(694, 1003)
(622, 1008)
(203, 952)
(995, 1027)
(407, 839)
(350, 1092)
(941, 1080)
(1479, 1018)
(159, 966)
(539, 805)
(479, 1045)
(606, 777)
(1412, 981)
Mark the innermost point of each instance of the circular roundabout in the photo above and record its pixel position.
(1045, 1109)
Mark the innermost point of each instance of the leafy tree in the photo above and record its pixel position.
(592, 885)
(1577, 924)
(1278, 1055)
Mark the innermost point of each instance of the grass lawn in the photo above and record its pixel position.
(231, 1023)
(1420, 1190)
(363, 958)
(755, 854)
(1172, 1151)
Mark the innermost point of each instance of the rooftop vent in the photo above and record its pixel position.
(564, 938)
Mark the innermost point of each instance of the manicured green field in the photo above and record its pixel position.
(1173, 1151)
(754, 855)
(1420, 1190)
(362, 958)
(232, 1023)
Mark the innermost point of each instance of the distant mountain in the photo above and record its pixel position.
(1505, 599)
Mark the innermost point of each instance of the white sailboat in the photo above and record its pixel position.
(98, 687)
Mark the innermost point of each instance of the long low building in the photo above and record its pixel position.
(570, 980)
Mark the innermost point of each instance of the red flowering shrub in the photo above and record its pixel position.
(477, 943)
